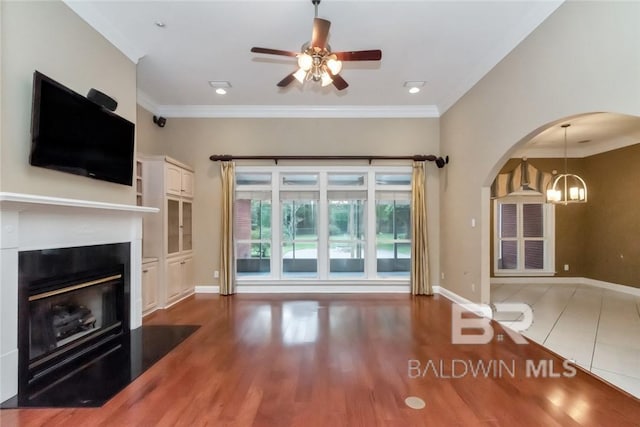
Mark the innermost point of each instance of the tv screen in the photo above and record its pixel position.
(70, 133)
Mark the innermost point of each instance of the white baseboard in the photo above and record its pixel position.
(455, 298)
(537, 280)
(8, 373)
(176, 301)
(309, 289)
(612, 286)
(208, 289)
(322, 289)
(567, 281)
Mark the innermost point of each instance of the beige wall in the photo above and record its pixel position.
(192, 141)
(149, 136)
(49, 37)
(584, 58)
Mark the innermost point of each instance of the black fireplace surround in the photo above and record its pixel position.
(75, 346)
(73, 306)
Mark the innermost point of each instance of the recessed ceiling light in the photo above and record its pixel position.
(414, 86)
(160, 24)
(220, 86)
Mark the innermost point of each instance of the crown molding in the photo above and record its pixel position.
(146, 102)
(286, 111)
(298, 111)
(91, 16)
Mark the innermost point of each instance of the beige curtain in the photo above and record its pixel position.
(227, 286)
(420, 284)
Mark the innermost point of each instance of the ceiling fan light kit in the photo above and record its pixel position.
(316, 62)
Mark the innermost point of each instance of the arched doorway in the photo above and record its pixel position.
(586, 303)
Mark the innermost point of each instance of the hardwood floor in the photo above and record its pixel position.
(340, 360)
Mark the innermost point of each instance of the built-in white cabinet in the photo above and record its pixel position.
(149, 285)
(169, 186)
(179, 180)
(180, 274)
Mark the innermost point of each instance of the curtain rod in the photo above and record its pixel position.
(440, 162)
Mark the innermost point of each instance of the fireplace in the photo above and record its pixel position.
(73, 310)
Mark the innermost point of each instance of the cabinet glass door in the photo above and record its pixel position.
(187, 242)
(173, 226)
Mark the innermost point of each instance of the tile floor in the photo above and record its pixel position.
(598, 328)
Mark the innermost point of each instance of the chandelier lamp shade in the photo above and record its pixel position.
(567, 187)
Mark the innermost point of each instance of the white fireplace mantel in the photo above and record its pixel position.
(31, 222)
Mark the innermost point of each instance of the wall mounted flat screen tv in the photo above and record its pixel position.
(70, 133)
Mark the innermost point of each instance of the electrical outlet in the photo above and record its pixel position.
(216, 274)
(473, 287)
(566, 267)
(442, 276)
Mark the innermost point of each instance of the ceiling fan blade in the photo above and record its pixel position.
(338, 81)
(359, 55)
(320, 33)
(273, 51)
(287, 80)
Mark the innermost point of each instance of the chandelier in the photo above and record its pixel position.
(567, 187)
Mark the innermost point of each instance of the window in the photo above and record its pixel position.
(253, 224)
(347, 245)
(323, 223)
(524, 242)
(299, 234)
(252, 229)
(393, 223)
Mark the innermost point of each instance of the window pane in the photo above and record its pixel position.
(253, 179)
(300, 259)
(508, 220)
(392, 219)
(346, 219)
(532, 220)
(338, 179)
(508, 255)
(299, 179)
(347, 258)
(252, 220)
(253, 258)
(299, 220)
(390, 250)
(393, 179)
(393, 257)
(533, 254)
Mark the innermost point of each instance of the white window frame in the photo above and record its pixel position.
(370, 276)
(548, 215)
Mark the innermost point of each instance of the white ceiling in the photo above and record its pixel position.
(448, 44)
(587, 135)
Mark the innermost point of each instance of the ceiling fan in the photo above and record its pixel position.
(316, 61)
